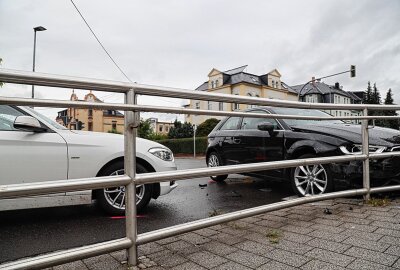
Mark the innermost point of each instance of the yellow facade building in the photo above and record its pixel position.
(238, 82)
(91, 119)
(160, 127)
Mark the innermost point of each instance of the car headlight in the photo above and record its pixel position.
(162, 153)
(356, 149)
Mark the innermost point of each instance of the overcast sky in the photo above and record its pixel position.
(176, 43)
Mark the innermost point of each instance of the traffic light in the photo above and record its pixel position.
(352, 71)
(81, 125)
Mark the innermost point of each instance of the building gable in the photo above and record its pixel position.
(275, 73)
(214, 72)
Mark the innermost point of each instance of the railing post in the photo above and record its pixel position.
(365, 151)
(131, 124)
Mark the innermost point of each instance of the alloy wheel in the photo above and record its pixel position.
(115, 196)
(311, 180)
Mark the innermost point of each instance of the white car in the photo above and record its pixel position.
(34, 148)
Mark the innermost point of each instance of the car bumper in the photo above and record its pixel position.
(381, 170)
(167, 187)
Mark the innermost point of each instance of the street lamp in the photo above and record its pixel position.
(35, 29)
(352, 72)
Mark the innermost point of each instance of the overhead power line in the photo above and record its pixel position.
(109, 55)
(98, 40)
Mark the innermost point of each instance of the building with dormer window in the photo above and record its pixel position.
(320, 92)
(238, 82)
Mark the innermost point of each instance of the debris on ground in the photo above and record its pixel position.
(202, 186)
(327, 211)
(235, 194)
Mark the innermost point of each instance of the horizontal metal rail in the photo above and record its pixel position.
(231, 169)
(161, 109)
(48, 187)
(131, 90)
(384, 189)
(25, 77)
(207, 222)
(69, 255)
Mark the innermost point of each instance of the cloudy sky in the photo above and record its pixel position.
(176, 43)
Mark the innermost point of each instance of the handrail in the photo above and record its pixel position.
(130, 180)
(43, 79)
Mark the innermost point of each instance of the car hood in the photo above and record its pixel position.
(352, 133)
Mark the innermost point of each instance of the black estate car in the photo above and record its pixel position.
(238, 140)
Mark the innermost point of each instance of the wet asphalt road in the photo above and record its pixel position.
(29, 232)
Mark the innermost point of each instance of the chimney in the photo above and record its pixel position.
(337, 85)
(313, 80)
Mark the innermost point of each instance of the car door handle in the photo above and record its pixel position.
(236, 140)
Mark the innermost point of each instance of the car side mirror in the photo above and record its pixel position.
(28, 123)
(267, 126)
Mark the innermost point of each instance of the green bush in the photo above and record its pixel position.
(206, 127)
(185, 145)
(157, 137)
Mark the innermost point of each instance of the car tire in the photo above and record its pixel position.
(311, 180)
(214, 160)
(112, 200)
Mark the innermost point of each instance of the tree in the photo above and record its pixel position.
(206, 127)
(390, 123)
(144, 130)
(376, 96)
(368, 94)
(180, 130)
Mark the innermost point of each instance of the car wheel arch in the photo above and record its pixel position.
(144, 163)
(213, 149)
(309, 147)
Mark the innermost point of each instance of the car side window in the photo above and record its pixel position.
(252, 123)
(231, 124)
(7, 117)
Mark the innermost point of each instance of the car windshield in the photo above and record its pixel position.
(48, 120)
(305, 112)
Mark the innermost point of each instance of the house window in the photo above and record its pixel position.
(90, 126)
(221, 106)
(90, 113)
(212, 84)
(166, 129)
(273, 84)
(160, 128)
(114, 125)
(216, 83)
(197, 105)
(209, 105)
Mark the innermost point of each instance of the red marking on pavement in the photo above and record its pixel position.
(118, 217)
(121, 217)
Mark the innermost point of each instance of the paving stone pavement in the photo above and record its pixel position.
(354, 236)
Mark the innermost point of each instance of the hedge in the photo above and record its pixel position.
(185, 145)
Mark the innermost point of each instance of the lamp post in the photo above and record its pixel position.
(35, 29)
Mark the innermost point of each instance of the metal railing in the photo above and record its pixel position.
(130, 179)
